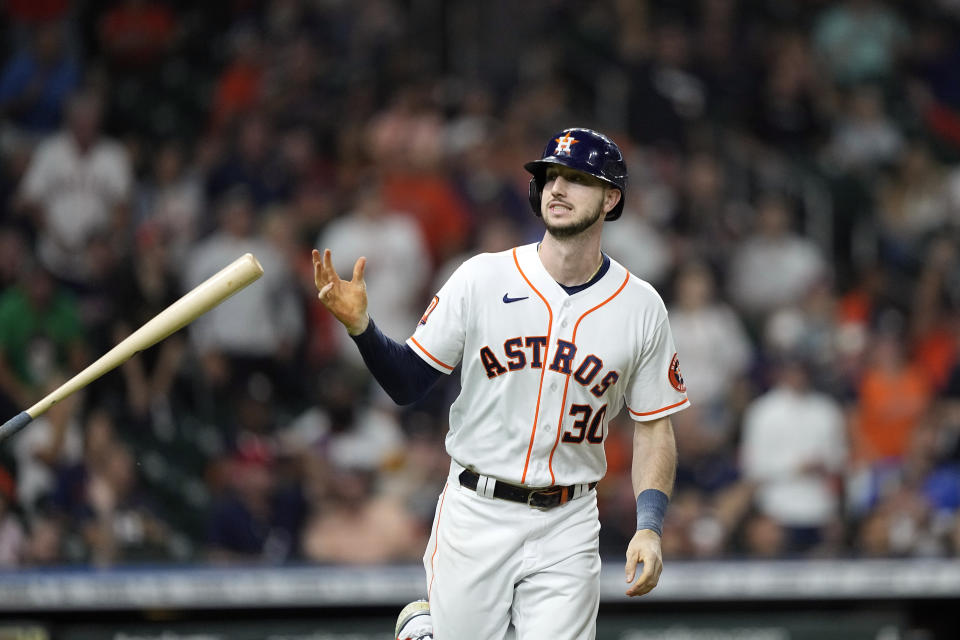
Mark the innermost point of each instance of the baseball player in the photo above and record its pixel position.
(553, 340)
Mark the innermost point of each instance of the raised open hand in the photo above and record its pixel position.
(346, 299)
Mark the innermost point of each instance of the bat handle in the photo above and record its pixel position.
(14, 425)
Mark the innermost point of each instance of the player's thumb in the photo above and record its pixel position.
(358, 269)
(631, 568)
(322, 294)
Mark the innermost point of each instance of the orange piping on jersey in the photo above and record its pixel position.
(566, 384)
(430, 355)
(650, 413)
(436, 539)
(543, 369)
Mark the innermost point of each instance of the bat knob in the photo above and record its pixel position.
(14, 424)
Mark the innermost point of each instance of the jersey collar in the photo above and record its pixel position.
(603, 284)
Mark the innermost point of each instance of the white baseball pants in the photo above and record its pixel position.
(491, 562)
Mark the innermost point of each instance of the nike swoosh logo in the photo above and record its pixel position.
(507, 299)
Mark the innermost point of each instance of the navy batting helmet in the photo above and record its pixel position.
(584, 150)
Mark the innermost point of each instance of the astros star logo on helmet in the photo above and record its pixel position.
(564, 145)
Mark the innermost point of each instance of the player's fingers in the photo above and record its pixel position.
(329, 272)
(639, 588)
(630, 570)
(358, 270)
(649, 566)
(317, 268)
(648, 579)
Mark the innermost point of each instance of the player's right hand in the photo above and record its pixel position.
(346, 299)
(643, 551)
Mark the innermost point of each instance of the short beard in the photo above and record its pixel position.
(574, 228)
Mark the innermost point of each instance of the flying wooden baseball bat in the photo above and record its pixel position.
(205, 296)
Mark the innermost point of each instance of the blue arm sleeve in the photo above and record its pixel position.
(400, 371)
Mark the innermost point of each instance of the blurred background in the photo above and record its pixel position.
(794, 195)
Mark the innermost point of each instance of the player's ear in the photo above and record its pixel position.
(611, 196)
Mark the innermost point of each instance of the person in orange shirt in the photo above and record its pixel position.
(893, 397)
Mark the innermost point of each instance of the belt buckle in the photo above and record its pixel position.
(542, 492)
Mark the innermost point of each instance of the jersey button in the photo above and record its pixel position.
(563, 323)
(553, 386)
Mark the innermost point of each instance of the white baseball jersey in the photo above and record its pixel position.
(544, 371)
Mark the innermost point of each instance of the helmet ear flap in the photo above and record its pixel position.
(535, 194)
(617, 210)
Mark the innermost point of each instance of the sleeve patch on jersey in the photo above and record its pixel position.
(674, 375)
(430, 308)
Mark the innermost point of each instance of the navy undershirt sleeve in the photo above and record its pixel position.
(400, 371)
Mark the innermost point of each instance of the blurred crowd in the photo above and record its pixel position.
(794, 195)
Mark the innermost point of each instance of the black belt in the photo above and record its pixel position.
(543, 498)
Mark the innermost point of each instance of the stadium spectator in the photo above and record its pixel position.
(345, 429)
(240, 86)
(935, 330)
(488, 186)
(297, 87)
(253, 164)
(899, 525)
(172, 200)
(695, 531)
(774, 266)
(53, 441)
(116, 518)
(810, 327)
(709, 219)
(934, 54)
(78, 184)
(257, 519)
(666, 95)
(253, 332)
(406, 142)
(864, 137)
(356, 524)
(144, 285)
(787, 108)
(36, 82)
(796, 470)
(859, 40)
(893, 398)
(310, 167)
(40, 335)
(716, 350)
(913, 205)
(46, 539)
(99, 512)
(416, 473)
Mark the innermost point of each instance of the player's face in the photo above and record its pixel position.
(573, 201)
